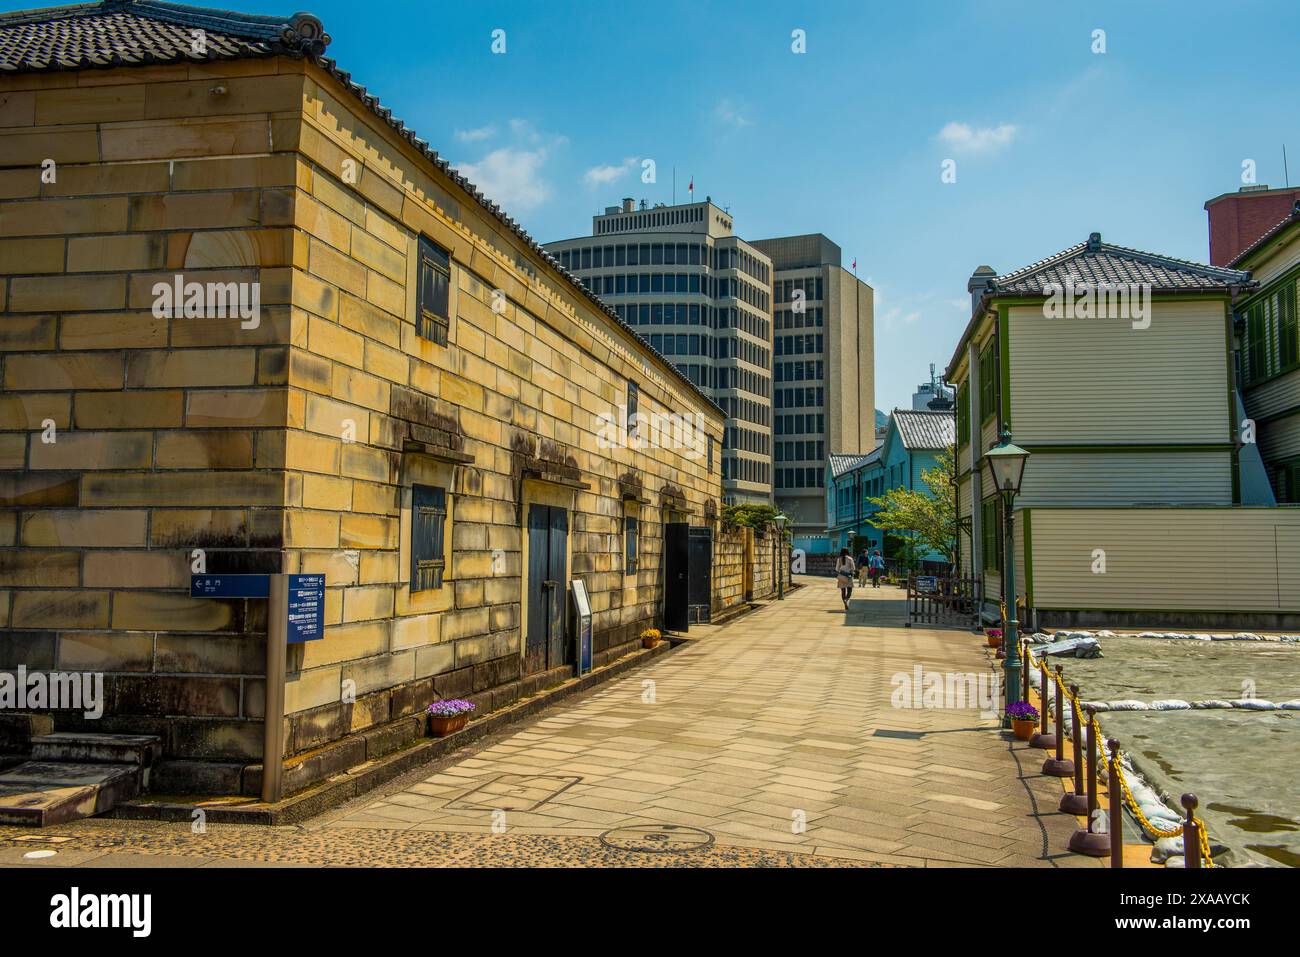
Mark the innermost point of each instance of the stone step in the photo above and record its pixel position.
(88, 748)
(41, 793)
(17, 730)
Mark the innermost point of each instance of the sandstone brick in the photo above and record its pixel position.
(191, 696)
(360, 316)
(23, 256)
(112, 330)
(190, 368)
(379, 256)
(115, 253)
(195, 210)
(198, 528)
(60, 609)
(105, 651)
(55, 217)
(204, 450)
(311, 689)
(107, 178)
(210, 654)
(85, 528)
(183, 488)
(66, 293)
(346, 643)
(325, 492)
(384, 293)
(367, 531)
(93, 450)
(353, 385)
(150, 139)
(36, 489)
(90, 105)
(142, 409)
(39, 569)
(239, 172)
(80, 370)
(311, 529)
(336, 268)
(312, 453)
(161, 611)
(378, 567)
(230, 409)
(28, 147)
(383, 671)
(17, 108)
(136, 569)
(363, 603)
(434, 660)
(415, 630)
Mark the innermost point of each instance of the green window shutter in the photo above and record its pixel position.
(988, 383)
(428, 528)
(1288, 348)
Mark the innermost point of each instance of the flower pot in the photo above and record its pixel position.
(1024, 729)
(442, 725)
(650, 642)
(995, 641)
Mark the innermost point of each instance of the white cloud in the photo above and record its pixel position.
(476, 135)
(731, 115)
(963, 138)
(511, 177)
(604, 175)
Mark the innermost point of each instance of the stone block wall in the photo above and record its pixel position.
(292, 446)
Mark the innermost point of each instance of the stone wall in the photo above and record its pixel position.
(293, 446)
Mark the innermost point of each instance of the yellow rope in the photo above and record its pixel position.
(1117, 771)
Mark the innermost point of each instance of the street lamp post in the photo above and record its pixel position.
(1005, 468)
(780, 520)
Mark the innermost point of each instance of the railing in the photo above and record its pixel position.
(1101, 836)
(942, 600)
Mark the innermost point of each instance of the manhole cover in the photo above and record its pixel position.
(657, 838)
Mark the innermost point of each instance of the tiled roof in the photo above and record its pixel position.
(131, 32)
(925, 429)
(115, 33)
(1292, 218)
(1097, 262)
(843, 462)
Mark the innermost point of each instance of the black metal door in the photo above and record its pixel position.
(544, 642)
(700, 589)
(677, 564)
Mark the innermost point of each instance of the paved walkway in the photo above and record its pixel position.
(769, 741)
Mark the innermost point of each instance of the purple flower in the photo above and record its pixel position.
(450, 707)
(1022, 711)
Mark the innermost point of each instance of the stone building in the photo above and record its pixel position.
(413, 398)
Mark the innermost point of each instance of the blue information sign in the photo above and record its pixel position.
(306, 608)
(230, 586)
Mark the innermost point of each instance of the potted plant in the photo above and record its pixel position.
(1024, 718)
(448, 716)
(993, 636)
(650, 637)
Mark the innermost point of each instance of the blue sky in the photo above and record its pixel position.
(1051, 140)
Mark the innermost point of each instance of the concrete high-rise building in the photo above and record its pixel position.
(824, 395)
(703, 298)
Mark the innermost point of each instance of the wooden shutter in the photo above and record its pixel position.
(428, 528)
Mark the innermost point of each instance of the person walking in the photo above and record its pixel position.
(862, 561)
(876, 566)
(844, 569)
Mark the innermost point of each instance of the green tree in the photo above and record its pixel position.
(924, 518)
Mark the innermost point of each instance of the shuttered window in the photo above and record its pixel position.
(433, 308)
(428, 528)
(629, 543)
(991, 534)
(632, 396)
(988, 383)
(1272, 336)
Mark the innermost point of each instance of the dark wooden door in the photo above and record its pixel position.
(700, 588)
(545, 644)
(677, 563)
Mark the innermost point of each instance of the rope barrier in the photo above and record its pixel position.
(1094, 729)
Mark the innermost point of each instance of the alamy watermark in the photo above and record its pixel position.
(947, 690)
(53, 691)
(209, 300)
(1099, 300)
(658, 430)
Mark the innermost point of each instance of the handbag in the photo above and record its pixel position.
(844, 580)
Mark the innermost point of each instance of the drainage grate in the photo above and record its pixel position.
(905, 735)
(657, 838)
